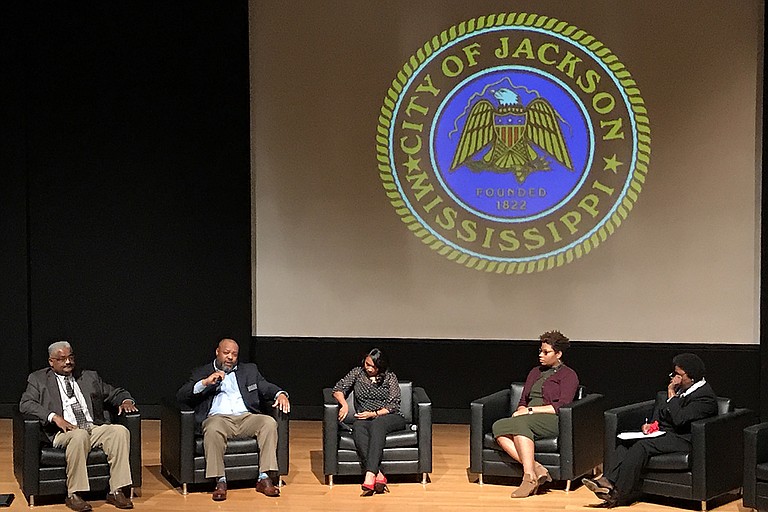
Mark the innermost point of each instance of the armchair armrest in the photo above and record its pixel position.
(132, 421)
(330, 432)
(283, 435)
(581, 428)
(621, 419)
(177, 440)
(27, 435)
(483, 413)
(717, 455)
(755, 452)
(422, 411)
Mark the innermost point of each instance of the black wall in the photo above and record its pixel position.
(125, 207)
(125, 223)
(456, 372)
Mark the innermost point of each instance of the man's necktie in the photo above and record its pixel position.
(77, 409)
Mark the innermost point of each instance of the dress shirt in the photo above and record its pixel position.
(67, 402)
(228, 399)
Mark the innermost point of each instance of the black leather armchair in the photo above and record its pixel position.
(182, 458)
(713, 468)
(41, 469)
(576, 451)
(756, 466)
(405, 452)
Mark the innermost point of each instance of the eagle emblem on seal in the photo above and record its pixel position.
(512, 132)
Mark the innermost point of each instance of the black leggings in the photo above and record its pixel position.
(370, 435)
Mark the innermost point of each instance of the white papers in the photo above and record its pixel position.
(639, 435)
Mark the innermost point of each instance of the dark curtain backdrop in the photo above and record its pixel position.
(125, 222)
(126, 188)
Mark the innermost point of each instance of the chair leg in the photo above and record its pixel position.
(330, 480)
(567, 486)
(31, 500)
(423, 479)
(704, 506)
(184, 488)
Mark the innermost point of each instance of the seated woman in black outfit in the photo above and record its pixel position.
(547, 388)
(377, 402)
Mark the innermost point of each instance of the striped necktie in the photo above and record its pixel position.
(77, 409)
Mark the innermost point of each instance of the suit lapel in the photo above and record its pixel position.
(53, 389)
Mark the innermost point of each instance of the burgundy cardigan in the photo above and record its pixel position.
(558, 390)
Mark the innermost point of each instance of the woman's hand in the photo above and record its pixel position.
(344, 407)
(343, 410)
(520, 411)
(366, 415)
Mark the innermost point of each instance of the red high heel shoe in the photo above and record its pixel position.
(380, 485)
(368, 491)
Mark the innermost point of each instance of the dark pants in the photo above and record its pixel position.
(370, 435)
(632, 459)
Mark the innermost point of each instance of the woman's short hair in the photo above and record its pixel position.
(691, 364)
(380, 361)
(555, 339)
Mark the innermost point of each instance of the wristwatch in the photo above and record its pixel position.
(530, 410)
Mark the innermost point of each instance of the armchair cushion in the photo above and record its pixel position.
(761, 472)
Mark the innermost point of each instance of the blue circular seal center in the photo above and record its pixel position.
(511, 143)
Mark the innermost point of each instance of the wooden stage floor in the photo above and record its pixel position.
(451, 488)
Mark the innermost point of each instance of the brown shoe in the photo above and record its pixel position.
(77, 503)
(266, 487)
(541, 473)
(220, 493)
(119, 500)
(527, 488)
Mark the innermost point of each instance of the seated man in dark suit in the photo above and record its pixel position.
(225, 396)
(689, 398)
(70, 405)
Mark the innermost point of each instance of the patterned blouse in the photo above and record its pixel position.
(371, 396)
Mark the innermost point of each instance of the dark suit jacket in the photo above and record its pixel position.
(677, 414)
(42, 397)
(253, 387)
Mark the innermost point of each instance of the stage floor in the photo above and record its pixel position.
(452, 487)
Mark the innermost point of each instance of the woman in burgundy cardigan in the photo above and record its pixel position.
(547, 388)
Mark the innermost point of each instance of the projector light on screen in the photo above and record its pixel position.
(513, 143)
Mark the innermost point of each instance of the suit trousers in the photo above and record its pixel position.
(115, 440)
(370, 437)
(220, 427)
(626, 474)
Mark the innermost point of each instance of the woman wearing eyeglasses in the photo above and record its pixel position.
(548, 387)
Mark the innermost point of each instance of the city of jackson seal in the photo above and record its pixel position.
(513, 143)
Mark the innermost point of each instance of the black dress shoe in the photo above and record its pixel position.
(597, 485)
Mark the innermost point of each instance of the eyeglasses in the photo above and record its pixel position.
(546, 352)
(64, 359)
(672, 374)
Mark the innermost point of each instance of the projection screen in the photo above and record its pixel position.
(491, 170)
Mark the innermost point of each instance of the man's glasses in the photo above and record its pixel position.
(64, 359)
